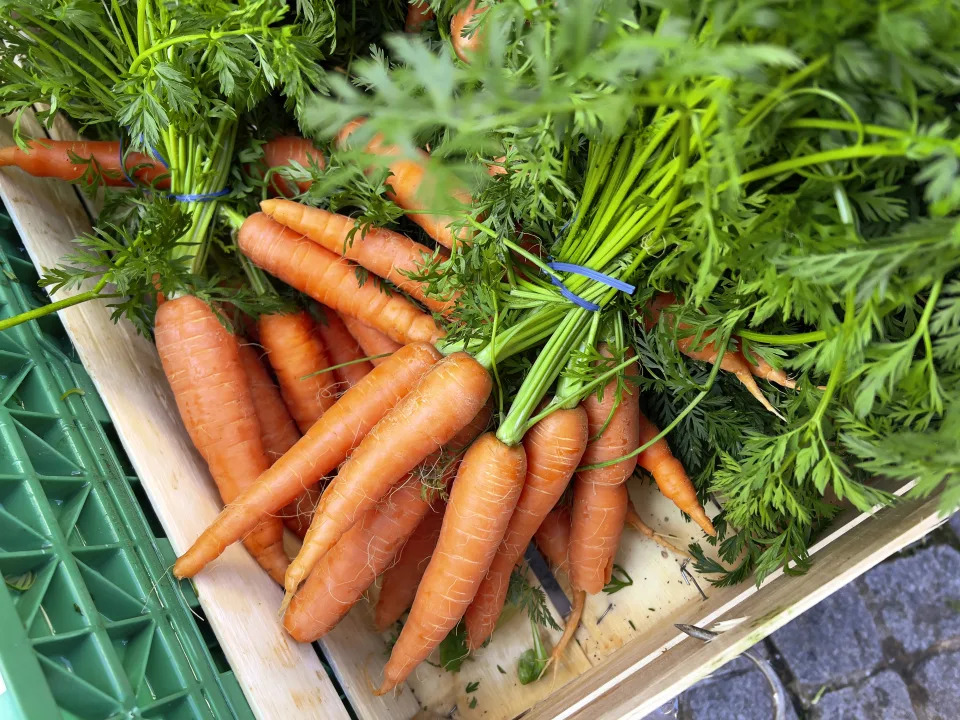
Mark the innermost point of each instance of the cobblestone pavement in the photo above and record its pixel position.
(886, 647)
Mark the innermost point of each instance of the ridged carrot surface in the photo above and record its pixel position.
(385, 253)
(325, 446)
(58, 159)
(296, 352)
(202, 363)
(481, 503)
(332, 280)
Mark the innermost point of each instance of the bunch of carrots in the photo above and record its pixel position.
(360, 413)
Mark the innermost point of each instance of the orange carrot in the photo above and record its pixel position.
(202, 363)
(343, 348)
(365, 550)
(278, 432)
(670, 475)
(633, 520)
(410, 189)
(332, 280)
(465, 45)
(419, 424)
(283, 151)
(481, 504)
(399, 582)
(385, 253)
(71, 159)
(762, 369)
(344, 574)
(732, 361)
(298, 515)
(553, 537)
(325, 446)
(296, 353)
(418, 15)
(553, 447)
(371, 340)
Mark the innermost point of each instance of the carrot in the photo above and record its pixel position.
(762, 369)
(344, 574)
(71, 159)
(732, 361)
(283, 151)
(409, 185)
(343, 348)
(600, 495)
(481, 503)
(670, 475)
(278, 432)
(443, 403)
(332, 281)
(553, 447)
(371, 340)
(369, 547)
(399, 582)
(418, 15)
(296, 353)
(385, 253)
(553, 537)
(325, 446)
(465, 45)
(633, 520)
(202, 363)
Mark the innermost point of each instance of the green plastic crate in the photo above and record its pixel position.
(101, 628)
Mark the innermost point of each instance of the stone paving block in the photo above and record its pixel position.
(938, 679)
(914, 598)
(834, 640)
(668, 711)
(738, 696)
(884, 695)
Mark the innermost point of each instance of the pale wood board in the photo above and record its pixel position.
(653, 669)
(280, 678)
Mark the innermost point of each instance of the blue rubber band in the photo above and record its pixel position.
(201, 197)
(573, 297)
(195, 197)
(566, 225)
(594, 275)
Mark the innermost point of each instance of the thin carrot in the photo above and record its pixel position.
(443, 403)
(343, 348)
(282, 152)
(72, 159)
(762, 369)
(278, 432)
(332, 280)
(344, 574)
(418, 15)
(372, 341)
(553, 537)
(633, 520)
(553, 447)
(296, 353)
(325, 446)
(481, 503)
(732, 361)
(399, 582)
(465, 45)
(202, 363)
(670, 475)
(411, 189)
(385, 253)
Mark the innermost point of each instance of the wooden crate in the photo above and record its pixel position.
(628, 657)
